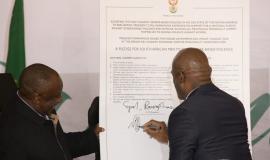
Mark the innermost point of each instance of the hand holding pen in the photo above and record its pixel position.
(157, 130)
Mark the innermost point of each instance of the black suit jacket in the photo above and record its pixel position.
(24, 135)
(93, 119)
(7, 89)
(93, 113)
(209, 125)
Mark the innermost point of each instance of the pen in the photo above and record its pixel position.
(152, 127)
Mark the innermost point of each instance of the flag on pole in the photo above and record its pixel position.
(16, 49)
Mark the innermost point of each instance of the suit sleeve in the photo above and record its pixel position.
(183, 135)
(82, 143)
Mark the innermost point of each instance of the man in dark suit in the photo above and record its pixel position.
(93, 120)
(210, 124)
(29, 126)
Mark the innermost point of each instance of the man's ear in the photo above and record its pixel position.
(180, 76)
(35, 98)
(210, 69)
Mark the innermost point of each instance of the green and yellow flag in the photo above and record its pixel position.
(16, 48)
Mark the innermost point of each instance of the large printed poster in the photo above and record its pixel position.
(138, 42)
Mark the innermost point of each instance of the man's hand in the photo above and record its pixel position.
(157, 130)
(98, 130)
(54, 118)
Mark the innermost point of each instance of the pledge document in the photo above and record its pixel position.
(139, 39)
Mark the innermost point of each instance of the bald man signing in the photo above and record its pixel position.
(210, 124)
(29, 126)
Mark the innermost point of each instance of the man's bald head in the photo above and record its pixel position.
(36, 78)
(41, 87)
(190, 69)
(191, 59)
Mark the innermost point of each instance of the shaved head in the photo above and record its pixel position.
(190, 69)
(191, 59)
(35, 78)
(41, 87)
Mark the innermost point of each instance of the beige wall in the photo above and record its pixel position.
(260, 71)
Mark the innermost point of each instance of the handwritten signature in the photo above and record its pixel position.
(135, 123)
(130, 106)
(156, 107)
(146, 106)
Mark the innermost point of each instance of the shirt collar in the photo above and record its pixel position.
(188, 95)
